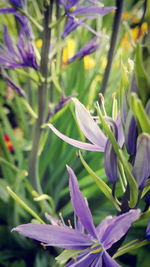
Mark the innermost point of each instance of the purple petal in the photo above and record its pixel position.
(53, 220)
(79, 204)
(148, 231)
(12, 84)
(8, 42)
(58, 236)
(85, 10)
(120, 130)
(7, 10)
(141, 168)
(103, 226)
(111, 166)
(87, 49)
(89, 126)
(118, 227)
(74, 142)
(131, 133)
(71, 25)
(84, 259)
(17, 3)
(109, 262)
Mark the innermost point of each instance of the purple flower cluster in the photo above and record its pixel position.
(93, 242)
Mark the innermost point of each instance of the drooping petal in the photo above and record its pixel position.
(79, 204)
(71, 25)
(74, 142)
(111, 166)
(148, 231)
(109, 262)
(87, 49)
(89, 126)
(87, 10)
(8, 42)
(141, 168)
(58, 236)
(17, 3)
(118, 227)
(6, 10)
(12, 84)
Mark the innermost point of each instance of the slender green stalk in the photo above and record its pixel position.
(34, 158)
(115, 30)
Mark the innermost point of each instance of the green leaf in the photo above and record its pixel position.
(24, 205)
(130, 246)
(141, 75)
(66, 255)
(139, 112)
(101, 185)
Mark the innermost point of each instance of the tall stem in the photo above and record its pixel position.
(34, 159)
(115, 30)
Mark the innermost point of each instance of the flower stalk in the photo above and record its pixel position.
(34, 158)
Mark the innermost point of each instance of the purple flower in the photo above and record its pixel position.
(17, 57)
(141, 168)
(90, 129)
(76, 15)
(92, 241)
(87, 49)
(148, 231)
(99, 141)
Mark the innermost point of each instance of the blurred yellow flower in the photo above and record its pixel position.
(39, 43)
(68, 51)
(89, 62)
(135, 33)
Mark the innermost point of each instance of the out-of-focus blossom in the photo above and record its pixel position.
(38, 43)
(18, 56)
(68, 51)
(87, 49)
(136, 33)
(63, 101)
(141, 168)
(23, 20)
(76, 14)
(89, 62)
(94, 243)
(8, 143)
(15, 87)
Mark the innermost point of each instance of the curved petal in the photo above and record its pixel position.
(88, 125)
(79, 205)
(118, 227)
(58, 236)
(109, 262)
(74, 142)
(148, 231)
(141, 168)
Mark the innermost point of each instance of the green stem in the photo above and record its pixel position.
(34, 158)
(115, 30)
